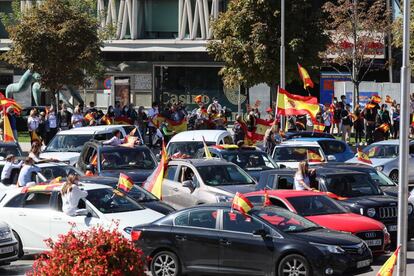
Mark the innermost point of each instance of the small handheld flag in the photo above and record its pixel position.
(318, 127)
(307, 81)
(241, 204)
(388, 267)
(154, 182)
(363, 157)
(384, 127)
(125, 182)
(8, 132)
(206, 150)
(370, 106)
(266, 201)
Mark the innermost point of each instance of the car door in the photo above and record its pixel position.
(169, 185)
(196, 238)
(237, 241)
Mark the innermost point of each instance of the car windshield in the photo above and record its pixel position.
(137, 193)
(71, 143)
(219, 175)
(351, 185)
(128, 158)
(381, 179)
(381, 151)
(110, 201)
(6, 150)
(250, 160)
(297, 154)
(315, 205)
(284, 220)
(63, 171)
(189, 148)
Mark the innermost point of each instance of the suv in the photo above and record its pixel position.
(9, 250)
(67, 144)
(138, 162)
(290, 153)
(356, 191)
(191, 182)
(251, 159)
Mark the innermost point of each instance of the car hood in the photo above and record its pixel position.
(348, 222)
(375, 161)
(138, 176)
(390, 190)
(231, 190)
(71, 157)
(326, 236)
(372, 201)
(130, 219)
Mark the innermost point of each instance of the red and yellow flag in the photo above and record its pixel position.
(290, 104)
(318, 127)
(122, 120)
(266, 201)
(412, 120)
(307, 81)
(388, 267)
(154, 182)
(89, 117)
(258, 133)
(361, 156)
(207, 152)
(314, 156)
(125, 182)
(384, 127)
(370, 106)
(241, 204)
(172, 125)
(106, 120)
(8, 132)
(6, 103)
(376, 99)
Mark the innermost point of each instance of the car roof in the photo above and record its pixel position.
(9, 144)
(286, 193)
(291, 143)
(278, 171)
(109, 148)
(315, 139)
(197, 135)
(51, 164)
(90, 130)
(347, 166)
(335, 171)
(232, 148)
(202, 162)
(387, 142)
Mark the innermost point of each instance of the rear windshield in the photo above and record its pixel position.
(297, 154)
(188, 148)
(351, 185)
(68, 143)
(250, 160)
(4, 151)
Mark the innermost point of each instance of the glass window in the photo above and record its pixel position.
(37, 200)
(285, 182)
(351, 185)
(4, 151)
(70, 143)
(170, 174)
(381, 179)
(188, 148)
(297, 154)
(110, 201)
(315, 205)
(59, 171)
(256, 200)
(198, 218)
(128, 158)
(332, 147)
(228, 140)
(224, 175)
(250, 160)
(381, 151)
(234, 221)
(187, 174)
(16, 201)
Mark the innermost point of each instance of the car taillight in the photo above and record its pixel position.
(135, 235)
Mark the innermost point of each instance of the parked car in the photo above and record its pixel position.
(384, 157)
(324, 211)
(35, 213)
(189, 142)
(7, 148)
(67, 144)
(190, 182)
(307, 134)
(290, 153)
(139, 194)
(9, 250)
(269, 241)
(332, 148)
(356, 191)
(137, 162)
(251, 159)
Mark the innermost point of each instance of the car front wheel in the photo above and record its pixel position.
(294, 265)
(165, 263)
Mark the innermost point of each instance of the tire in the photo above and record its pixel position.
(394, 176)
(165, 263)
(294, 265)
(19, 245)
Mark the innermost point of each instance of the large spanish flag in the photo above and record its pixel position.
(314, 156)
(154, 182)
(388, 267)
(304, 75)
(361, 156)
(290, 104)
(8, 132)
(258, 133)
(125, 182)
(172, 125)
(6, 103)
(241, 204)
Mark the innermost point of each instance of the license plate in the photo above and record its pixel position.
(392, 228)
(374, 242)
(7, 249)
(363, 263)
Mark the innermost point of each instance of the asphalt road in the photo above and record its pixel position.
(23, 266)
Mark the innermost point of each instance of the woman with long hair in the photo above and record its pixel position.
(302, 177)
(71, 194)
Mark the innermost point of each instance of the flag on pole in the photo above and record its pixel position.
(388, 266)
(125, 182)
(313, 156)
(241, 204)
(290, 104)
(307, 81)
(383, 127)
(206, 150)
(266, 201)
(6, 102)
(412, 120)
(8, 132)
(363, 157)
(154, 182)
(376, 99)
(318, 127)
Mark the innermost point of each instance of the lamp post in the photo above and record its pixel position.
(282, 52)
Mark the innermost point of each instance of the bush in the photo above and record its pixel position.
(96, 251)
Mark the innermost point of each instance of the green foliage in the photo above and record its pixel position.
(397, 31)
(247, 40)
(59, 40)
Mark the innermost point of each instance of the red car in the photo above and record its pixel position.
(324, 211)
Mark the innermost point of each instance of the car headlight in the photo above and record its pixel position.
(371, 212)
(223, 198)
(410, 209)
(328, 248)
(5, 233)
(379, 168)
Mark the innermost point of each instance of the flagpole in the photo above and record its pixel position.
(282, 52)
(404, 132)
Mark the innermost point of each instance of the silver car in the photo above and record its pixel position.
(190, 182)
(9, 249)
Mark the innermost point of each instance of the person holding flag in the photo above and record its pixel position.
(71, 195)
(302, 177)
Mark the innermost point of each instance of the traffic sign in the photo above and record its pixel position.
(108, 83)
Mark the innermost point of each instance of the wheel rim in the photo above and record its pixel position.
(294, 267)
(164, 265)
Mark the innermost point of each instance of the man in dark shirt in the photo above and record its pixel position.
(64, 118)
(346, 117)
(370, 115)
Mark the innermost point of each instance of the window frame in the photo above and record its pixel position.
(211, 209)
(23, 205)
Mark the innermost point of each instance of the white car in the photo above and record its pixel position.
(67, 144)
(35, 213)
(384, 157)
(8, 245)
(289, 153)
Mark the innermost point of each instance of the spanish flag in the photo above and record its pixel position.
(314, 156)
(412, 120)
(361, 156)
(55, 180)
(307, 81)
(125, 183)
(384, 127)
(122, 120)
(206, 150)
(258, 133)
(8, 132)
(266, 201)
(106, 120)
(6, 102)
(154, 182)
(318, 127)
(241, 204)
(89, 117)
(376, 99)
(177, 126)
(370, 106)
(388, 267)
(290, 104)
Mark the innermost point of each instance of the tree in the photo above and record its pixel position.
(357, 31)
(247, 40)
(58, 39)
(397, 31)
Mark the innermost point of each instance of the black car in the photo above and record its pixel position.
(357, 191)
(307, 134)
(137, 162)
(142, 196)
(269, 241)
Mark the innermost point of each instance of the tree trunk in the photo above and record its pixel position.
(356, 94)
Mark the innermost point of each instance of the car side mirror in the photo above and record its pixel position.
(83, 213)
(260, 232)
(331, 158)
(188, 184)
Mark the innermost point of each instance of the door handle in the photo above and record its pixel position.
(57, 219)
(21, 214)
(180, 237)
(225, 242)
(175, 189)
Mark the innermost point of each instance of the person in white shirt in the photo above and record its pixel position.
(77, 118)
(33, 124)
(116, 140)
(71, 195)
(302, 180)
(8, 167)
(25, 175)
